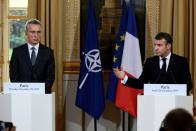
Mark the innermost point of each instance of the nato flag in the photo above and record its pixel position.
(90, 93)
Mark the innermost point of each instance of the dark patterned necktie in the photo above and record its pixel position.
(162, 74)
(33, 56)
(163, 69)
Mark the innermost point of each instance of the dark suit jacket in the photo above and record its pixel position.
(177, 73)
(21, 69)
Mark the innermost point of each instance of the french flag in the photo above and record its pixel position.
(126, 97)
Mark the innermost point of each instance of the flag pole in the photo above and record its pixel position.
(123, 120)
(83, 121)
(129, 122)
(95, 124)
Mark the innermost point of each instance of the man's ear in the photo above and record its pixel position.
(168, 45)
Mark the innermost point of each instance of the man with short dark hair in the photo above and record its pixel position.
(33, 62)
(178, 119)
(166, 67)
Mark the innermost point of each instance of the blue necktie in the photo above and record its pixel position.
(33, 56)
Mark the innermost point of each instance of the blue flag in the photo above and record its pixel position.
(119, 45)
(126, 98)
(90, 93)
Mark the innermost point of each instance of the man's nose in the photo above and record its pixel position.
(35, 34)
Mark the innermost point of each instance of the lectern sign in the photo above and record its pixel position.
(165, 89)
(24, 88)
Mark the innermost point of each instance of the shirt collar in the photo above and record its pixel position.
(30, 46)
(168, 57)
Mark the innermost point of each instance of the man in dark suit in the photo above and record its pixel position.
(165, 67)
(33, 62)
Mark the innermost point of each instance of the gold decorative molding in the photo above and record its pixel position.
(71, 67)
(111, 3)
(1, 61)
(17, 17)
(1, 13)
(76, 30)
(67, 29)
(157, 16)
(149, 48)
(1, 45)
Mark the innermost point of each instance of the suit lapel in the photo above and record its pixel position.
(157, 64)
(39, 56)
(171, 62)
(27, 56)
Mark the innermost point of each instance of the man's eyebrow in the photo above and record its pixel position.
(35, 31)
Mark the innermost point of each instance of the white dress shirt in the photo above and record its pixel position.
(30, 50)
(167, 61)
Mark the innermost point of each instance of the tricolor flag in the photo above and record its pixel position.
(90, 93)
(113, 80)
(126, 97)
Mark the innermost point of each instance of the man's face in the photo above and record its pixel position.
(33, 34)
(162, 48)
